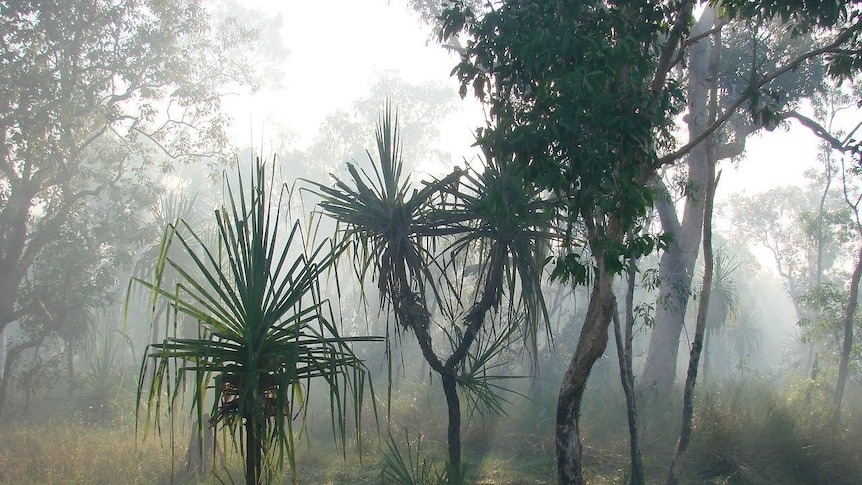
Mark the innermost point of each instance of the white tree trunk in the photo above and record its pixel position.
(677, 263)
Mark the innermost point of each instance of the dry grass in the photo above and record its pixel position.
(71, 453)
(745, 435)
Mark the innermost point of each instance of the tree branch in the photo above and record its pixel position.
(794, 64)
(670, 47)
(818, 130)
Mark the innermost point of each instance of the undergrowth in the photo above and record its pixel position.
(745, 433)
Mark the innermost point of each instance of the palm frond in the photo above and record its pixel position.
(381, 218)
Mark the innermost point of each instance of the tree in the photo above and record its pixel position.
(264, 330)
(93, 94)
(488, 224)
(73, 280)
(576, 109)
(719, 67)
(806, 230)
(836, 140)
(582, 96)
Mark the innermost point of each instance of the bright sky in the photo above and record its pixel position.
(337, 47)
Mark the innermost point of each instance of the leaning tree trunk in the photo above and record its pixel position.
(591, 344)
(697, 344)
(847, 344)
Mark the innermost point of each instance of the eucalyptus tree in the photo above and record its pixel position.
(583, 96)
(420, 243)
(264, 330)
(721, 60)
(92, 95)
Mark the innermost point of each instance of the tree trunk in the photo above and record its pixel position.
(2, 352)
(591, 344)
(697, 344)
(812, 376)
(676, 465)
(624, 355)
(12, 356)
(253, 457)
(70, 361)
(677, 263)
(201, 449)
(705, 371)
(4, 385)
(453, 433)
(847, 344)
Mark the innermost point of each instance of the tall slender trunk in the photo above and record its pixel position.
(812, 376)
(4, 383)
(704, 373)
(14, 352)
(624, 355)
(675, 472)
(70, 361)
(253, 457)
(591, 344)
(847, 344)
(2, 352)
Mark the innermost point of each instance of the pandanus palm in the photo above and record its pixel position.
(264, 329)
(395, 231)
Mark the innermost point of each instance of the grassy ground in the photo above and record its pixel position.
(745, 434)
(58, 452)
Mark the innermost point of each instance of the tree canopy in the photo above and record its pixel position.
(93, 94)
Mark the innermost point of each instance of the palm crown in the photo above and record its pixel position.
(264, 328)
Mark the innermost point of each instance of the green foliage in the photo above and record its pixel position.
(838, 19)
(805, 241)
(100, 394)
(482, 380)
(470, 241)
(95, 94)
(264, 330)
(823, 323)
(412, 469)
(568, 86)
(505, 226)
(803, 15)
(751, 434)
(381, 218)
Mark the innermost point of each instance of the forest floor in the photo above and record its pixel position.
(744, 434)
